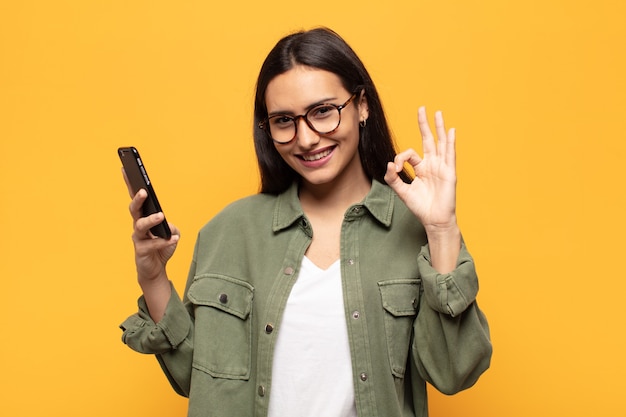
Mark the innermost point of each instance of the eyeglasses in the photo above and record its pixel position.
(323, 119)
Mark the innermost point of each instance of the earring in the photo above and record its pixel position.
(363, 123)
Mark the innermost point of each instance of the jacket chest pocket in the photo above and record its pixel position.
(400, 300)
(223, 325)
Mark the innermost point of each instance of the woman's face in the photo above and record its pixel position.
(320, 159)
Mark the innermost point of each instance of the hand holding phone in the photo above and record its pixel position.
(151, 253)
(137, 177)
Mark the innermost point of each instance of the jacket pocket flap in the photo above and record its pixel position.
(400, 297)
(228, 294)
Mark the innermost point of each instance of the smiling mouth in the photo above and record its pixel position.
(317, 156)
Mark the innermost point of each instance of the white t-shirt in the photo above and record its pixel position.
(312, 369)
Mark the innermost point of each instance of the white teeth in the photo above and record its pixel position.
(316, 156)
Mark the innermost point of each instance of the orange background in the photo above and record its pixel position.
(536, 90)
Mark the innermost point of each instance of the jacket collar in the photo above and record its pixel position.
(379, 202)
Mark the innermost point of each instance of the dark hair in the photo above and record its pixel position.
(323, 49)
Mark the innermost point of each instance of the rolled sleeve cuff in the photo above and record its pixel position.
(453, 292)
(143, 335)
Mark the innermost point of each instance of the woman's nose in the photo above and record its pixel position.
(306, 136)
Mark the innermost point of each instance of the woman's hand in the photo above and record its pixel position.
(151, 254)
(432, 194)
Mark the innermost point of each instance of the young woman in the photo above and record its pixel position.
(340, 289)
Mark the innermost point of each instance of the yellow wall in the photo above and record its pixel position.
(535, 88)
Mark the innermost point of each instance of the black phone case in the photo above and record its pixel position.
(138, 178)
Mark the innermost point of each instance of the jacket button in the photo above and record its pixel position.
(261, 391)
(223, 298)
(363, 376)
(356, 314)
(269, 328)
(288, 271)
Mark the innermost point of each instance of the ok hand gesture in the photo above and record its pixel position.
(432, 194)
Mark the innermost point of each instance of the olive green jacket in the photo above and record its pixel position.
(407, 324)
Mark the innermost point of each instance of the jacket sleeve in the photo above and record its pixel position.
(451, 346)
(171, 340)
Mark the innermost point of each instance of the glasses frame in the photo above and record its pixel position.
(264, 124)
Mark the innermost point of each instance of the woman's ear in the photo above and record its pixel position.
(364, 110)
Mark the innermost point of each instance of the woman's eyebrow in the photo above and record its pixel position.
(309, 107)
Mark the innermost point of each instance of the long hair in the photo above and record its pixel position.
(323, 49)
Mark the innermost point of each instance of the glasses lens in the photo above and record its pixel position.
(282, 128)
(324, 118)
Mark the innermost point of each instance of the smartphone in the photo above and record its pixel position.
(138, 179)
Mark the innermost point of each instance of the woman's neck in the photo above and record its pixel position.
(335, 197)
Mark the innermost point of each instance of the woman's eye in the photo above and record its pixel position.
(322, 111)
(281, 121)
